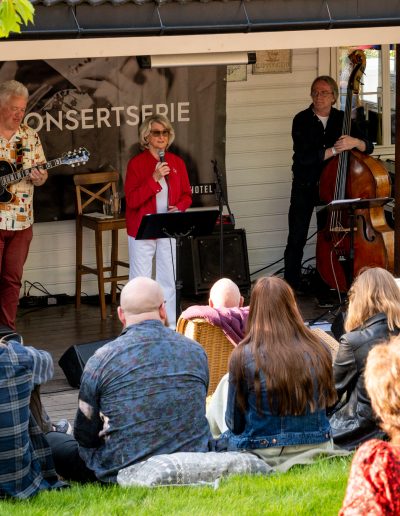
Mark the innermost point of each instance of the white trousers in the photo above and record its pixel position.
(141, 253)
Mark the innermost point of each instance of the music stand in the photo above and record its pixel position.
(178, 225)
(351, 205)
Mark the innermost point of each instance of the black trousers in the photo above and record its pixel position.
(303, 198)
(67, 460)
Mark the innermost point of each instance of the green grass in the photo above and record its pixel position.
(316, 490)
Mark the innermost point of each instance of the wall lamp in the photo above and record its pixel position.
(219, 58)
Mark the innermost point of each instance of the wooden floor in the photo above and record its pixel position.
(57, 328)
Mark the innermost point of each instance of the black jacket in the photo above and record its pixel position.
(310, 140)
(352, 419)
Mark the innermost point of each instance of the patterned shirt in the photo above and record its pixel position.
(23, 150)
(374, 482)
(26, 463)
(142, 394)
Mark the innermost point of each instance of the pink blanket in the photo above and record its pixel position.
(232, 321)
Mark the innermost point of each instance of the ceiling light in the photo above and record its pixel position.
(220, 58)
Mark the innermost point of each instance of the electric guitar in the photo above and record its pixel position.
(9, 174)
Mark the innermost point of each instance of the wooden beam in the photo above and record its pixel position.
(397, 171)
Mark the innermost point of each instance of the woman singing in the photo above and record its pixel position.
(156, 182)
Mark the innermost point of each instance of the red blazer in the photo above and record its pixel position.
(141, 189)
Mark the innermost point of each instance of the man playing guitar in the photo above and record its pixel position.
(20, 146)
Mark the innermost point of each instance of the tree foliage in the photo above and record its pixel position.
(13, 13)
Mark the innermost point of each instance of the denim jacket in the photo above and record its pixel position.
(252, 430)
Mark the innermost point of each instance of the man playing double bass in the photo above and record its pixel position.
(317, 137)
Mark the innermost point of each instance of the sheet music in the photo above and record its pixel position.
(98, 215)
(341, 201)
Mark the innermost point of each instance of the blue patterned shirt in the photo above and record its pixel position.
(26, 463)
(142, 394)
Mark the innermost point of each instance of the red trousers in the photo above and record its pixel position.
(14, 247)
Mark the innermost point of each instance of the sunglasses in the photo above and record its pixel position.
(159, 133)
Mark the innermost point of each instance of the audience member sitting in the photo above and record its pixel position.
(225, 310)
(26, 463)
(142, 394)
(373, 316)
(280, 383)
(374, 481)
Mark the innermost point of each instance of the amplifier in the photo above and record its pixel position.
(200, 261)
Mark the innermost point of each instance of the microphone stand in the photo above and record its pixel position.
(219, 193)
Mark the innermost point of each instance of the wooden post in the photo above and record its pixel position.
(397, 171)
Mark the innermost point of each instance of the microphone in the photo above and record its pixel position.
(161, 154)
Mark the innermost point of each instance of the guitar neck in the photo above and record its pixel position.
(20, 174)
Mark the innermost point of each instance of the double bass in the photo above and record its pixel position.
(347, 241)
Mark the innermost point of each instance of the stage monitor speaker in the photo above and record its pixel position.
(200, 261)
(74, 360)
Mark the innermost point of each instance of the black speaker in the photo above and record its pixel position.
(74, 360)
(200, 261)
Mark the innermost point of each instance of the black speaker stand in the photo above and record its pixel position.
(219, 192)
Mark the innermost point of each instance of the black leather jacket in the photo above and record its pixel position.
(352, 419)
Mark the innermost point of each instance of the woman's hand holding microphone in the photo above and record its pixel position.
(162, 169)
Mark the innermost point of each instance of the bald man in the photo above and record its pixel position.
(142, 394)
(225, 294)
(225, 309)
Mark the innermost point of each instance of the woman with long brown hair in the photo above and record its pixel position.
(373, 316)
(280, 380)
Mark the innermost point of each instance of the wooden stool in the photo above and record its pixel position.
(96, 186)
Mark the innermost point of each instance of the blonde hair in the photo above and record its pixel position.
(145, 128)
(374, 291)
(382, 381)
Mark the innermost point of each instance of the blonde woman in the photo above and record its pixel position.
(373, 316)
(156, 182)
(374, 482)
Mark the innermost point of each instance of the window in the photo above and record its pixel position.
(374, 106)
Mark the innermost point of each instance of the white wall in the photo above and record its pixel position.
(51, 260)
(259, 156)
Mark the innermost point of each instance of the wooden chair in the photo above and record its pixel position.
(91, 187)
(331, 342)
(215, 344)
